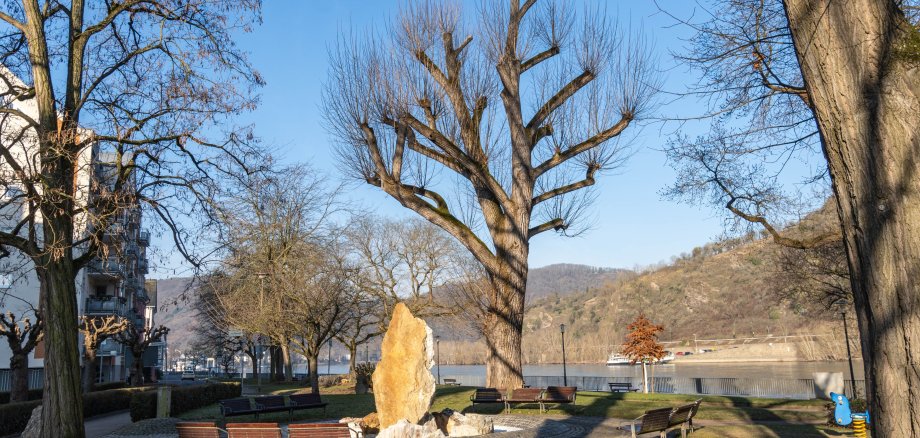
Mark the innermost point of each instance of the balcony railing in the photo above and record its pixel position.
(110, 267)
(109, 347)
(143, 238)
(107, 305)
(142, 266)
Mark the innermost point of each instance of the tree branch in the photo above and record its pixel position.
(561, 157)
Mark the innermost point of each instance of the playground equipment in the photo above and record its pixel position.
(844, 416)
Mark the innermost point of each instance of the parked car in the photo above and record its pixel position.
(188, 374)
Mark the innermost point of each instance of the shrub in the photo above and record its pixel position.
(328, 381)
(108, 385)
(15, 416)
(363, 373)
(34, 394)
(143, 405)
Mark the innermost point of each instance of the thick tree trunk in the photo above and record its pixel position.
(288, 367)
(252, 360)
(865, 91)
(313, 364)
(19, 370)
(137, 376)
(505, 320)
(62, 403)
(89, 369)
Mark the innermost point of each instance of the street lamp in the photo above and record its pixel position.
(329, 361)
(367, 353)
(437, 349)
(846, 336)
(565, 379)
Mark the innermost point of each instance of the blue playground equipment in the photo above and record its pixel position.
(842, 413)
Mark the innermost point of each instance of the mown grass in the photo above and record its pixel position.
(771, 431)
(594, 404)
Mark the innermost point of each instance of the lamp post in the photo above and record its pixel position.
(367, 353)
(565, 379)
(437, 352)
(329, 360)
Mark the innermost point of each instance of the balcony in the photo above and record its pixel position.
(110, 268)
(107, 305)
(109, 347)
(142, 266)
(143, 238)
(114, 233)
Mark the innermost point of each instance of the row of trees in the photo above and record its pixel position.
(300, 270)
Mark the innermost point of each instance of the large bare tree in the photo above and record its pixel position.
(521, 104)
(853, 69)
(149, 83)
(137, 339)
(95, 330)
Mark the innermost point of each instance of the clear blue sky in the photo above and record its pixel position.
(632, 225)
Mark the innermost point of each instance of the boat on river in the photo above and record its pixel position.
(616, 359)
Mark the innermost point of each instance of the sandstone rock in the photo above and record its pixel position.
(455, 424)
(370, 423)
(405, 429)
(34, 426)
(403, 384)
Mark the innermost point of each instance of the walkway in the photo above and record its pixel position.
(105, 424)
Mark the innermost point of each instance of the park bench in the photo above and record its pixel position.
(524, 396)
(307, 401)
(451, 382)
(197, 429)
(237, 406)
(680, 417)
(253, 430)
(320, 430)
(557, 395)
(272, 403)
(621, 387)
(655, 420)
(487, 395)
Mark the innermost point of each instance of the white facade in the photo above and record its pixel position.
(114, 285)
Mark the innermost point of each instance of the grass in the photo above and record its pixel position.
(343, 403)
(778, 431)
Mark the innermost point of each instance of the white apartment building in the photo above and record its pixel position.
(111, 286)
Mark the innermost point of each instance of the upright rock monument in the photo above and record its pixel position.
(403, 384)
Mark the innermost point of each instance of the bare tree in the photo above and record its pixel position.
(22, 336)
(853, 68)
(523, 106)
(138, 339)
(151, 83)
(95, 330)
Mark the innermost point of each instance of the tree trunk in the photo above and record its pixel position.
(288, 367)
(19, 370)
(505, 320)
(644, 377)
(352, 360)
(313, 363)
(62, 403)
(252, 360)
(137, 377)
(865, 92)
(89, 369)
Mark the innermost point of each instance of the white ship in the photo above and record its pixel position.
(618, 359)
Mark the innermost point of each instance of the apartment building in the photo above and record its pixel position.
(110, 285)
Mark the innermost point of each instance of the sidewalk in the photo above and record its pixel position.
(105, 424)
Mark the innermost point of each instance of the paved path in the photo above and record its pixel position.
(105, 424)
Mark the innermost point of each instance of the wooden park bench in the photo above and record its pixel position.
(272, 403)
(487, 395)
(683, 417)
(320, 430)
(253, 430)
(451, 382)
(307, 401)
(655, 420)
(621, 387)
(237, 406)
(557, 395)
(197, 429)
(524, 396)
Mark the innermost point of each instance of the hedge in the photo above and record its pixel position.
(184, 399)
(15, 416)
(36, 394)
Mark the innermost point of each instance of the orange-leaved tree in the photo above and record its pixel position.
(642, 345)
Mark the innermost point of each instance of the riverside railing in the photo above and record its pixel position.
(726, 386)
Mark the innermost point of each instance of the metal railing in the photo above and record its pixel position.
(108, 267)
(726, 386)
(109, 347)
(105, 306)
(36, 379)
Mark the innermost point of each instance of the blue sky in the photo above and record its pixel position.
(633, 224)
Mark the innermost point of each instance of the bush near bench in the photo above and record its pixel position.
(36, 394)
(15, 416)
(184, 399)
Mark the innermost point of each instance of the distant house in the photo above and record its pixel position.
(112, 285)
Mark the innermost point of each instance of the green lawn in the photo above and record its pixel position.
(595, 404)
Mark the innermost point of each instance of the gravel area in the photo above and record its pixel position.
(152, 428)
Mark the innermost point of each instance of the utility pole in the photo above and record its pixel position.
(565, 379)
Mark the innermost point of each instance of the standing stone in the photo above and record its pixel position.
(403, 384)
(34, 426)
